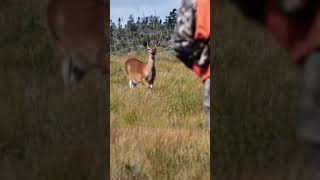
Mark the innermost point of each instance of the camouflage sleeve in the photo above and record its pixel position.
(186, 48)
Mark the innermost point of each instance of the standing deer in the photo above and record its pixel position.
(142, 72)
(78, 31)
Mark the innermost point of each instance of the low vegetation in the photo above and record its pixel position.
(160, 133)
(128, 36)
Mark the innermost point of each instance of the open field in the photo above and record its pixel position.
(46, 131)
(256, 93)
(160, 133)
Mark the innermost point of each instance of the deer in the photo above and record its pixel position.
(142, 72)
(78, 32)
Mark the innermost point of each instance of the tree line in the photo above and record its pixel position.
(131, 35)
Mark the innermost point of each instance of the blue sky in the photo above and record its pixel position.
(123, 8)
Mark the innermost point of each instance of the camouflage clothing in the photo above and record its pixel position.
(188, 49)
(193, 52)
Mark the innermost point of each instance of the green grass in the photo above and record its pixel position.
(160, 133)
(256, 94)
(46, 131)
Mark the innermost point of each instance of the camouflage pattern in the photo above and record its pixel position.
(189, 50)
(186, 48)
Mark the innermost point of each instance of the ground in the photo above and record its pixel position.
(159, 133)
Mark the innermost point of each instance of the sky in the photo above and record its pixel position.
(123, 8)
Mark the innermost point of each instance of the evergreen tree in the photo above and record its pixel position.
(132, 35)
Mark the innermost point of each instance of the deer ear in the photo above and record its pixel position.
(145, 44)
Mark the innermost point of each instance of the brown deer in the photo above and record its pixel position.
(78, 31)
(142, 72)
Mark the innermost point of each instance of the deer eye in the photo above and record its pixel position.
(149, 49)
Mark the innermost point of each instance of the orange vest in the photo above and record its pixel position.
(202, 31)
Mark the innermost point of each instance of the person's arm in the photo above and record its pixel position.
(192, 51)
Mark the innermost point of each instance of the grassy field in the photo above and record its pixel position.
(160, 133)
(256, 92)
(46, 131)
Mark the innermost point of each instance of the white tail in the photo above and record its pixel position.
(78, 30)
(142, 72)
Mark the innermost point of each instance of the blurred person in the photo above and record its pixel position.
(191, 42)
(296, 26)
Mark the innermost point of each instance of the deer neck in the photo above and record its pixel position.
(150, 64)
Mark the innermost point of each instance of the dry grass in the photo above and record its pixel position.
(256, 93)
(46, 131)
(160, 133)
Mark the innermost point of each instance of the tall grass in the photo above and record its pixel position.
(256, 93)
(160, 133)
(46, 131)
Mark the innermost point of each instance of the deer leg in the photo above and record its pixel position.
(145, 82)
(132, 84)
